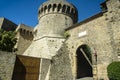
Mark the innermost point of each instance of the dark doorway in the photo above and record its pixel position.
(84, 61)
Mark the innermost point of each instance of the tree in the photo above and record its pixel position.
(7, 40)
(114, 71)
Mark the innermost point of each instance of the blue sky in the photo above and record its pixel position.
(25, 11)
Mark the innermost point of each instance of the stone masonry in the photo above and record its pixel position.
(65, 49)
(24, 38)
(7, 61)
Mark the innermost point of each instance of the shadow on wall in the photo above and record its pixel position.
(19, 70)
(26, 34)
(84, 68)
(26, 68)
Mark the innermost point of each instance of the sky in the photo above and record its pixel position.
(26, 11)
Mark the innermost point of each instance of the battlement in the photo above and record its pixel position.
(7, 25)
(58, 7)
(26, 30)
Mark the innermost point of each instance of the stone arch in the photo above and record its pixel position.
(21, 30)
(72, 11)
(41, 10)
(59, 7)
(24, 31)
(45, 8)
(31, 33)
(76, 16)
(49, 7)
(83, 62)
(64, 9)
(27, 32)
(54, 7)
(68, 9)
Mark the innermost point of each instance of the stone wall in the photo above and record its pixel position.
(7, 61)
(97, 38)
(61, 65)
(23, 43)
(45, 66)
(113, 24)
(25, 37)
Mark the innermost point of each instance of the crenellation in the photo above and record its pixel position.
(58, 7)
(85, 54)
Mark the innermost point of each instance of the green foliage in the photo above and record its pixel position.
(66, 34)
(87, 50)
(114, 71)
(7, 40)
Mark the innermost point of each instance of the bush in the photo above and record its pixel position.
(114, 71)
(66, 34)
(7, 40)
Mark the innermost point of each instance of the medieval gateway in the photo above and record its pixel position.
(59, 48)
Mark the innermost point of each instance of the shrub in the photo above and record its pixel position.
(66, 34)
(7, 40)
(113, 70)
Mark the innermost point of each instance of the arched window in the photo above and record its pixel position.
(45, 8)
(24, 31)
(54, 6)
(59, 7)
(72, 11)
(31, 33)
(84, 62)
(28, 33)
(68, 9)
(41, 10)
(21, 30)
(64, 8)
(49, 7)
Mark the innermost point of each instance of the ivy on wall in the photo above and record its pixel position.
(66, 34)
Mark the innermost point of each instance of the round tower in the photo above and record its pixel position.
(55, 16)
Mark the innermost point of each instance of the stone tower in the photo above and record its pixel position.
(54, 17)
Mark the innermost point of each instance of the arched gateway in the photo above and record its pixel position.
(84, 62)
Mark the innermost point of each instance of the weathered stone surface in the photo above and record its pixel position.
(45, 66)
(97, 38)
(7, 61)
(24, 38)
(101, 34)
(113, 22)
(61, 65)
(49, 47)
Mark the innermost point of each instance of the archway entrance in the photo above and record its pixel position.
(84, 62)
